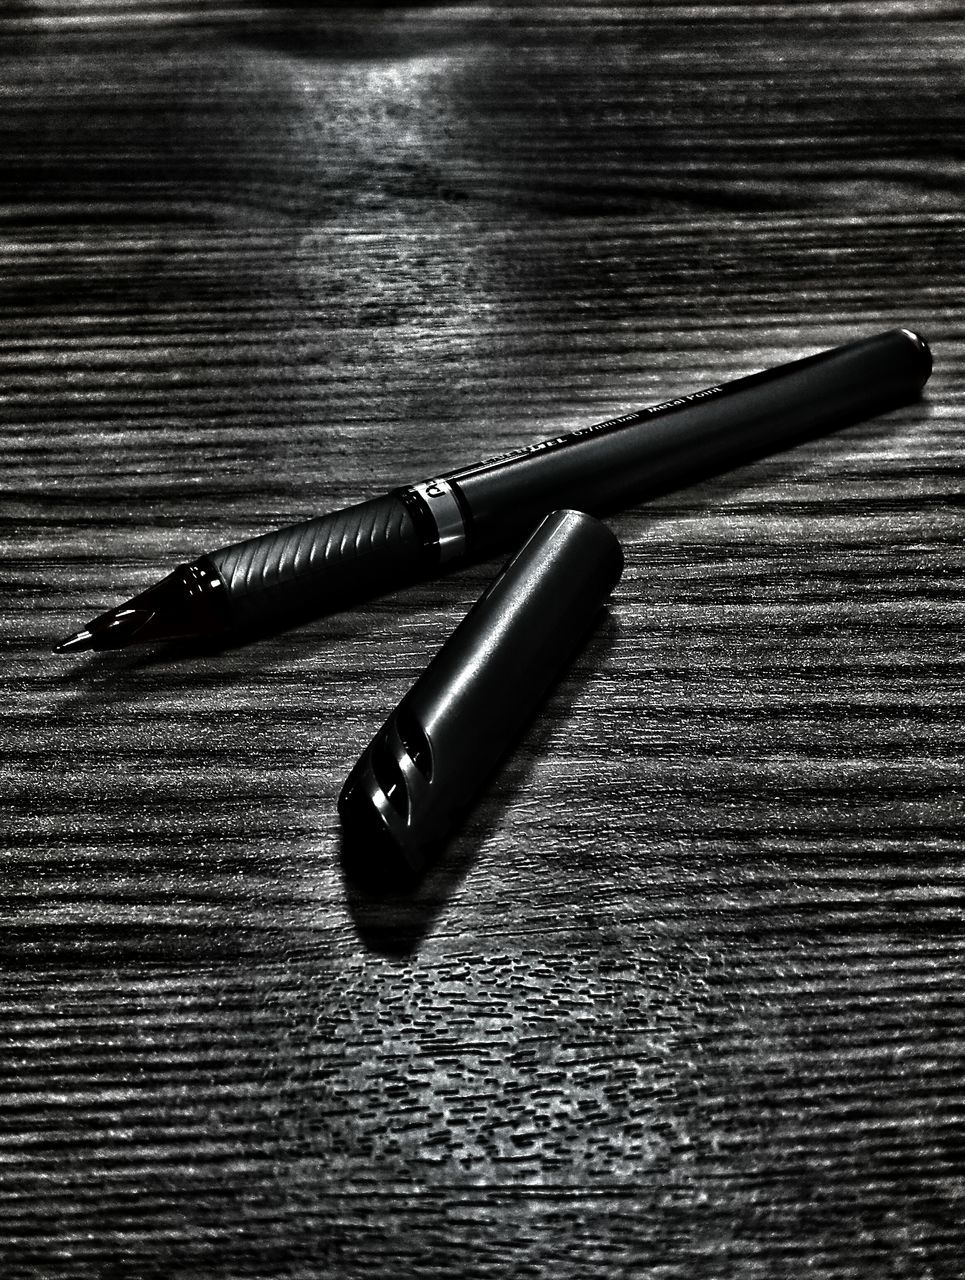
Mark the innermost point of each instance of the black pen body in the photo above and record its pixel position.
(388, 542)
(319, 565)
(637, 455)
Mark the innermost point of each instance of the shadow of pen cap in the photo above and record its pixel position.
(418, 776)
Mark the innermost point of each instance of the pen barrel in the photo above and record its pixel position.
(386, 543)
(635, 456)
(321, 564)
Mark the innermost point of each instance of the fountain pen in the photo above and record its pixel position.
(387, 542)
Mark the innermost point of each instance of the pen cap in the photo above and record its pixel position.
(420, 773)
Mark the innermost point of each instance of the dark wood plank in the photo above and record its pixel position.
(263, 110)
(684, 998)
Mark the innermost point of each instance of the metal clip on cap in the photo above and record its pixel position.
(419, 774)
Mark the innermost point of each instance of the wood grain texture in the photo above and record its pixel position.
(684, 998)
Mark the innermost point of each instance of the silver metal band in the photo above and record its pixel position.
(444, 509)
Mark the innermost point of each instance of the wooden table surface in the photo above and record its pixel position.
(684, 999)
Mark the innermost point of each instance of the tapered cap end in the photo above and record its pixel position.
(924, 355)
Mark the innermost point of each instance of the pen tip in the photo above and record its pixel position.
(115, 629)
(76, 643)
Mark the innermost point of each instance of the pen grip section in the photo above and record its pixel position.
(324, 563)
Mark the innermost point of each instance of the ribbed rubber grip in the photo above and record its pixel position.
(321, 564)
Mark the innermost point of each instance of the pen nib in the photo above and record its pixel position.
(76, 643)
(187, 602)
(112, 630)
